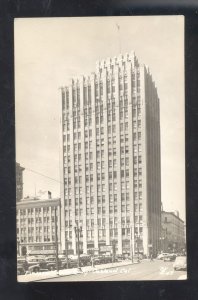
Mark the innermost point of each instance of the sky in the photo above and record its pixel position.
(50, 51)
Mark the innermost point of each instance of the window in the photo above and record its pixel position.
(114, 163)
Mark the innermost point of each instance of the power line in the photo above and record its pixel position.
(33, 171)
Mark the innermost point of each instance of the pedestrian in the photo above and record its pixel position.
(151, 257)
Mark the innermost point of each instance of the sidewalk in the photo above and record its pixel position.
(53, 274)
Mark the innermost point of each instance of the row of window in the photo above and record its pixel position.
(101, 199)
(101, 164)
(38, 239)
(100, 153)
(99, 118)
(102, 233)
(102, 210)
(30, 211)
(77, 146)
(110, 88)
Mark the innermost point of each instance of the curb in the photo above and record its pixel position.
(57, 276)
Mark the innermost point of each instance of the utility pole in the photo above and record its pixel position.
(78, 230)
(66, 244)
(131, 231)
(56, 242)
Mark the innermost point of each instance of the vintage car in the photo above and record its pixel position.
(162, 255)
(180, 263)
(170, 257)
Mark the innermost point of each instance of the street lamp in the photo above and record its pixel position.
(56, 240)
(18, 246)
(137, 243)
(113, 250)
(78, 231)
(131, 241)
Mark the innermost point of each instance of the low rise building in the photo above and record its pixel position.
(173, 233)
(38, 220)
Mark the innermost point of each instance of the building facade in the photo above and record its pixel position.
(36, 230)
(173, 232)
(111, 159)
(19, 182)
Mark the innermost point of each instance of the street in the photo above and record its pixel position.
(146, 270)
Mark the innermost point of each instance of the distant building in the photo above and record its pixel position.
(36, 225)
(111, 158)
(19, 182)
(173, 232)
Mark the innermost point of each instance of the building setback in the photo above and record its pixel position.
(19, 182)
(111, 159)
(36, 225)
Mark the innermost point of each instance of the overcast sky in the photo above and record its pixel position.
(49, 51)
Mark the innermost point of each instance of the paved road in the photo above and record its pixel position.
(146, 270)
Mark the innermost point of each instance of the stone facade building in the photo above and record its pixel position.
(111, 158)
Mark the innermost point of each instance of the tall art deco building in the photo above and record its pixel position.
(111, 159)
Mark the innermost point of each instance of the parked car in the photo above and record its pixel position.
(85, 260)
(121, 257)
(180, 263)
(50, 263)
(36, 264)
(98, 260)
(162, 255)
(22, 261)
(107, 259)
(170, 257)
(136, 258)
(72, 262)
(20, 270)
